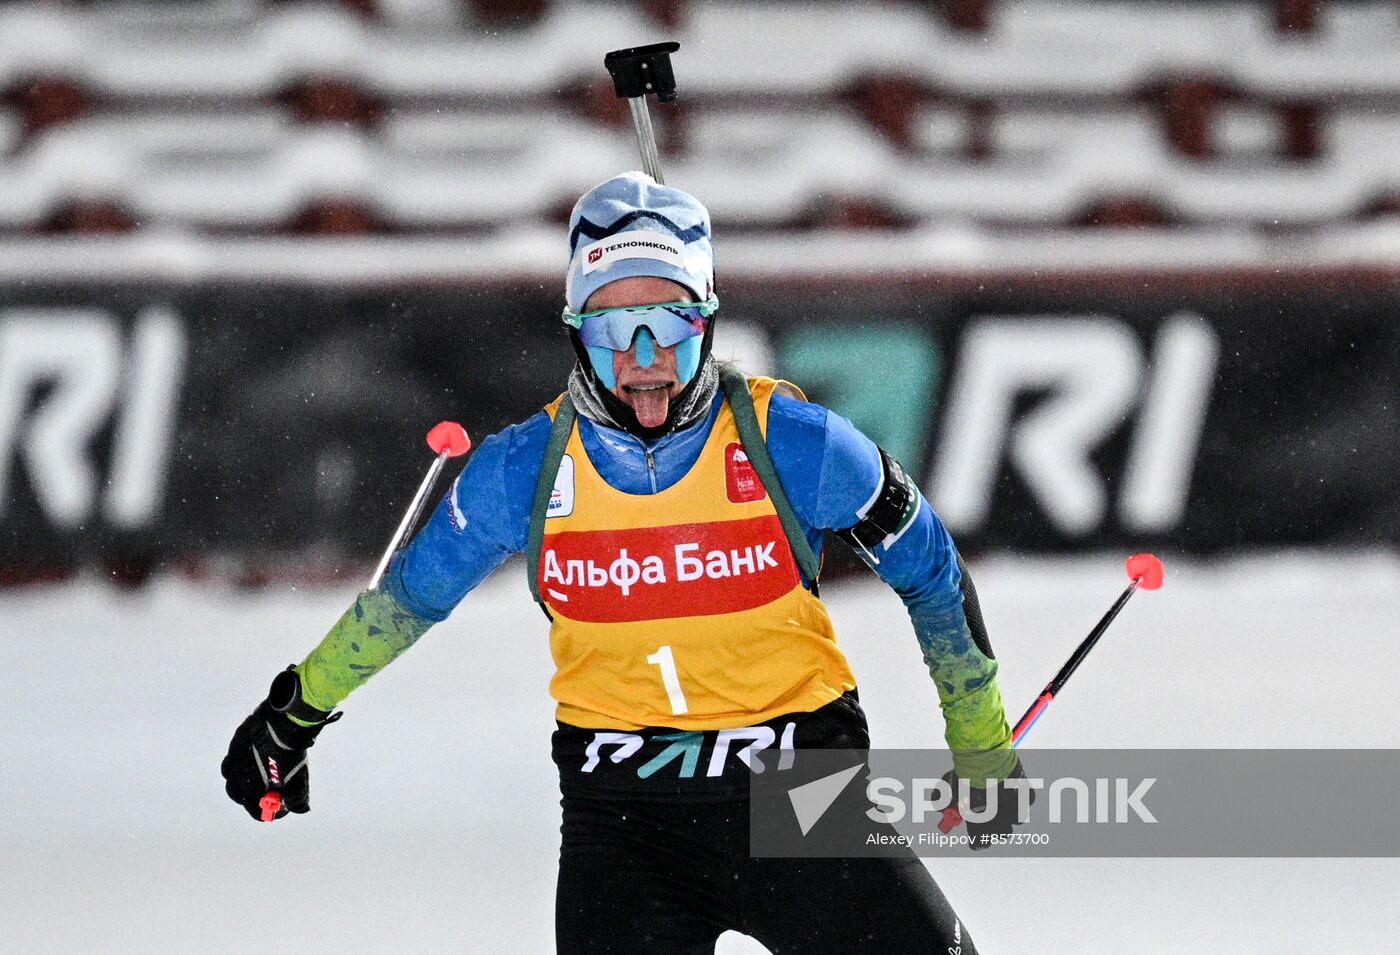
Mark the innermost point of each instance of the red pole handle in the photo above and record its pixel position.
(271, 804)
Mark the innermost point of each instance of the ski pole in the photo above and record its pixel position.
(449, 439)
(1146, 572)
(637, 71)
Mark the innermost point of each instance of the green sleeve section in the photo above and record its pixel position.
(975, 717)
(366, 639)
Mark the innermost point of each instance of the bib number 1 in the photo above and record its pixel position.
(670, 679)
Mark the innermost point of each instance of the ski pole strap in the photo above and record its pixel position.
(736, 392)
(559, 433)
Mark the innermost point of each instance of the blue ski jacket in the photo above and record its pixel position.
(828, 469)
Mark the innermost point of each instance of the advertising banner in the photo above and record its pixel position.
(146, 423)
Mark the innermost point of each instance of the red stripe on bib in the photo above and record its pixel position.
(655, 573)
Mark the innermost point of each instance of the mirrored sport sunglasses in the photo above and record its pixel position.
(669, 322)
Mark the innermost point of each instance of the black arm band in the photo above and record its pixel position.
(890, 511)
(285, 697)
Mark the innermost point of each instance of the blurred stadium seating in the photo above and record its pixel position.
(436, 118)
(227, 225)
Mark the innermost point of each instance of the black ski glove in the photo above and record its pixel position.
(265, 770)
(1007, 811)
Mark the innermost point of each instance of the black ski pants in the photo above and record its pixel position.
(662, 878)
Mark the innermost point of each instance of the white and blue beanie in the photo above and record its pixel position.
(632, 225)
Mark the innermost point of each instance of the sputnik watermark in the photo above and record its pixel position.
(1119, 800)
(1071, 803)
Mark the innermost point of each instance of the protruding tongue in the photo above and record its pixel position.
(650, 407)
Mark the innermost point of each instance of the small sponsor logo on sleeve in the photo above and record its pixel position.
(454, 508)
(561, 499)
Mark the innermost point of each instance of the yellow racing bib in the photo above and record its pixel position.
(684, 608)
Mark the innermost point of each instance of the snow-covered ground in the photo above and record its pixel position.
(435, 816)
